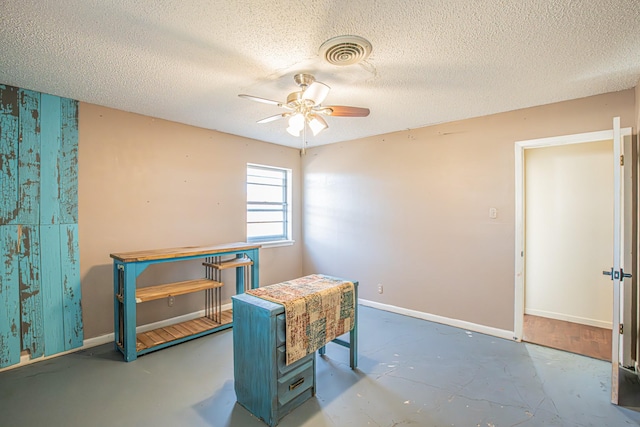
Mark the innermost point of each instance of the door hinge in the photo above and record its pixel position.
(622, 160)
(621, 328)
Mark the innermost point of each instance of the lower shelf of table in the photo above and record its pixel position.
(180, 331)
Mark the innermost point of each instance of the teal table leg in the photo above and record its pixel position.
(353, 335)
(255, 268)
(129, 302)
(239, 277)
(116, 305)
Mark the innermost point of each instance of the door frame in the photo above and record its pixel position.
(520, 147)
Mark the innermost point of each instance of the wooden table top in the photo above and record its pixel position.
(158, 254)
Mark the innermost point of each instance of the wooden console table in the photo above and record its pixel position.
(128, 266)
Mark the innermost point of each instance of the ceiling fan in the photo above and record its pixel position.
(304, 107)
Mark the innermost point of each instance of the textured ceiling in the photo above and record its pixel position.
(433, 61)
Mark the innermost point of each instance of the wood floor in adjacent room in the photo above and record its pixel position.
(573, 337)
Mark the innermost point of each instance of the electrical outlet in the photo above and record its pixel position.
(380, 289)
(170, 300)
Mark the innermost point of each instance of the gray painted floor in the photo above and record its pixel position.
(411, 372)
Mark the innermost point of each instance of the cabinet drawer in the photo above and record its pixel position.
(295, 383)
(281, 356)
(280, 330)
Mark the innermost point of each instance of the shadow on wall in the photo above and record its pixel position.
(97, 299)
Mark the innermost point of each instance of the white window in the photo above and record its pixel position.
(268, 203)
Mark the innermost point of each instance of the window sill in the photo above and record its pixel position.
(276, 243)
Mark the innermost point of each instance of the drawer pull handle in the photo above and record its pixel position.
(296, 384)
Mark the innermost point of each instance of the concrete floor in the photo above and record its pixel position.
(411, 372)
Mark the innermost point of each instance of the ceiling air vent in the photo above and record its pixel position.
(345, 50)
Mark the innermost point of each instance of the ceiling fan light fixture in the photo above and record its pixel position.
(317, 125)
(296, 121)
(294, 132)
(296, 124)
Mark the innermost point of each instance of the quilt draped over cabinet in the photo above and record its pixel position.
(317, 309)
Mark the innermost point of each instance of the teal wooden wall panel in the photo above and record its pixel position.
(30, 291)
(68, 161)
(70, 267)
(40, 293)
(8, 154)
(50, 135)
(29, 158)
(52, 289)
(9, 297)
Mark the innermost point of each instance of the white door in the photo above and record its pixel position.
(617, 272)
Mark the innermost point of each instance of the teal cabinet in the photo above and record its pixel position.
(264, 385)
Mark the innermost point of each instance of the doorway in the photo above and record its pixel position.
(568, 191)
(627, 352)
(624, 164)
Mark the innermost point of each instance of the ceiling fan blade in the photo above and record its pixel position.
(344, 111)
(263, 100)
(272, 118)
(316, 92)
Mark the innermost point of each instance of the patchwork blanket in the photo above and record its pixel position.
(317, 309)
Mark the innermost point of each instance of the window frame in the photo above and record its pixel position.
(272, 239)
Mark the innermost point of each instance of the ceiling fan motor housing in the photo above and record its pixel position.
(295, 98)
(303, 80)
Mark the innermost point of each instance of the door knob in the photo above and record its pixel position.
(617, 275)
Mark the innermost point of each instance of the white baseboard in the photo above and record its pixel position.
(488, 330)
(110, 338)
(569, 318)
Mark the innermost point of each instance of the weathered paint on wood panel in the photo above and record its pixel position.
(29, 158)
(51, 274)
(73, 331)
(9, 297)
(8, 154)
(30, 291)
(68, 161)
(49, 174)
(40, 306)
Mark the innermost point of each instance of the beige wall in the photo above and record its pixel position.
(410, 210)
(569, 232)
(146, 183)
